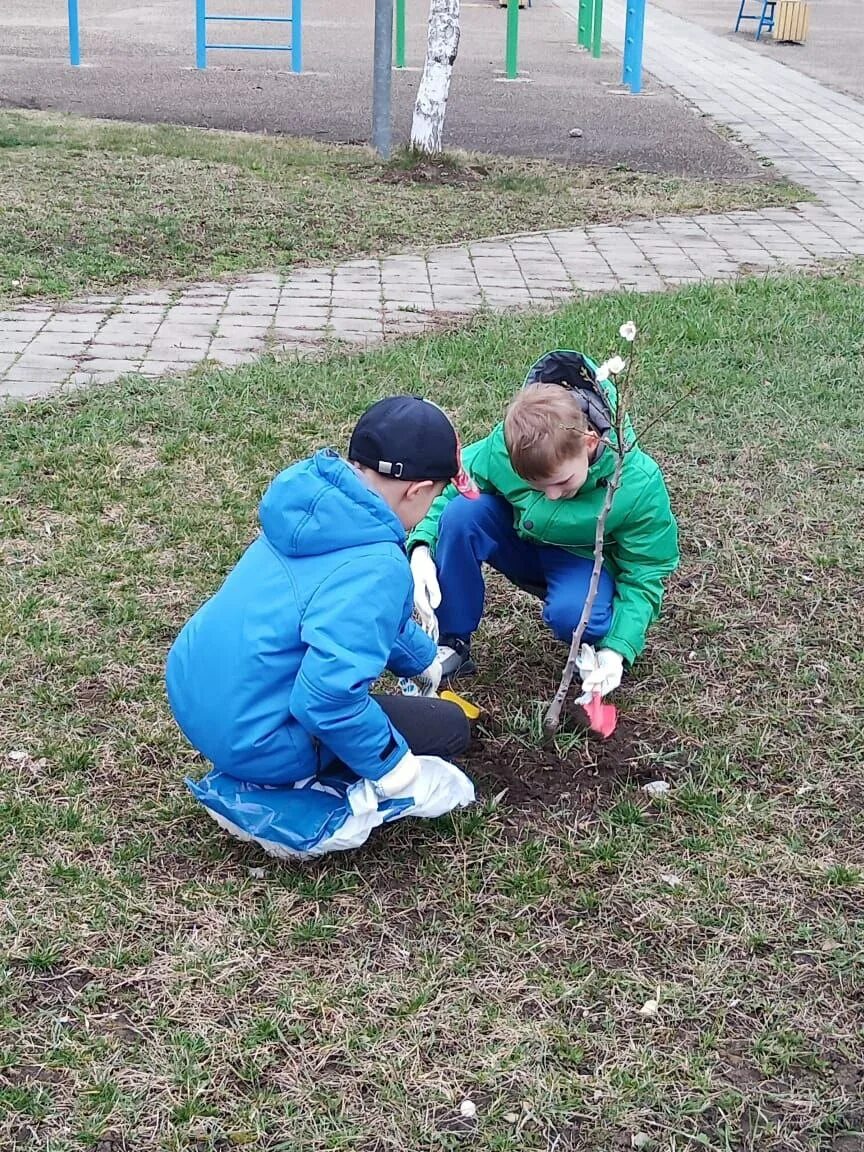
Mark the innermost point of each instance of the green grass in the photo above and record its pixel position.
(93, 205)
(156, 995)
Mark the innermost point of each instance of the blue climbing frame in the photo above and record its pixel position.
(634, 34)
(202, 47)
(74, 38)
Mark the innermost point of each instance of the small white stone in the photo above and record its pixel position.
(257, 873)
(656, 788)
(671, 879)
(17, 756)
(468, 1109)
(649, 1008)
(509, 1117)
(575, 133)
(640, 1140)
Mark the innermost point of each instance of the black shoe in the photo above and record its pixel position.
(454, 655)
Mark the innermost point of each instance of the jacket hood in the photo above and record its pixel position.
(322, 505)
(578, 374)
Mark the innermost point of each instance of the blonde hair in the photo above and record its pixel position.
(544, 427)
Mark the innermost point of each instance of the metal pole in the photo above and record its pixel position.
(381, 77)
(400, 33)
(634, 34)
(586, 15)
(512, 50)
(200, 33)
(597, 29)
(297, 35)
(74, 39)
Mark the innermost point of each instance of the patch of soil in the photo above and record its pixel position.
(431, 172)
(33, 1074)
(57, 988)
(109, 1142)
(847, 1076)
(848, 1142)
(92, 693)
(536, 777)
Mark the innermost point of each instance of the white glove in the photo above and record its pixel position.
(399, 779)
(430, 678)
(602, 675)
(427, 591)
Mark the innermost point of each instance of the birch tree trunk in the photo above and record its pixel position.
(441, 47)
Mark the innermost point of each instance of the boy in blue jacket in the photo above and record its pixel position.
(270, 680)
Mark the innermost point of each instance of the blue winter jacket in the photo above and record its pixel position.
(270, 679)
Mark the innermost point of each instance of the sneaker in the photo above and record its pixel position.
(454, 655)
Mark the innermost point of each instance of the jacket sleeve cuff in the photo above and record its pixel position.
(617, 644)
(421, 535)
(412, 653)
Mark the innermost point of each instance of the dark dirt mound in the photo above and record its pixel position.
(536, 777)
(431, 172)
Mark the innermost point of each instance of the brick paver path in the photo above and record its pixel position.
(811, 133)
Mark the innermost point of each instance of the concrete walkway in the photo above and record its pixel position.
(812, 134)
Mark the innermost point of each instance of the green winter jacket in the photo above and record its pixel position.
(641, 538)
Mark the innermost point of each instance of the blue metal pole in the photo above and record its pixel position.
(74, 39)
(200, 33)
(634, 34)
(297, 35)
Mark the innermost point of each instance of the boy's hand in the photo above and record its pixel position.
(399, 779)
(427, 591)
(606, 674)
(430, 678)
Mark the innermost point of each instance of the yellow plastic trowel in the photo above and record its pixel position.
(470, 710)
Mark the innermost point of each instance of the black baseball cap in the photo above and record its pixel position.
(409, 438)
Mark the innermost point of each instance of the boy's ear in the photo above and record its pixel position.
(420, 487)
(592, 440)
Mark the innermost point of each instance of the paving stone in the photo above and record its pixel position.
(180, 314)
(249, 348)
(73, 322)
(230, 358)
(159, 367)
(58, 344)
(298, 335)
(36, 373)
(243, 323)
(157, 296)
(12, 345)
(26, 389)
(112, 367)
(177, 353)
(299, 321)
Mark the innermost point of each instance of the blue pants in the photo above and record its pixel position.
(474, 532)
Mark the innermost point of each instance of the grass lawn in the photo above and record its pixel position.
(91, 205)
(155, 993)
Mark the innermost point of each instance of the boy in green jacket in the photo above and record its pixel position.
(542, 474)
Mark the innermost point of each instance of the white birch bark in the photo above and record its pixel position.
(442, 44)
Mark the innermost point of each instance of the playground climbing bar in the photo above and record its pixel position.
(512, 49)
(400, 33)
(634, 33)
(203, 45)
(74, 38)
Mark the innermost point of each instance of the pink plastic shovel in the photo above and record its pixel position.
(602, 717)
